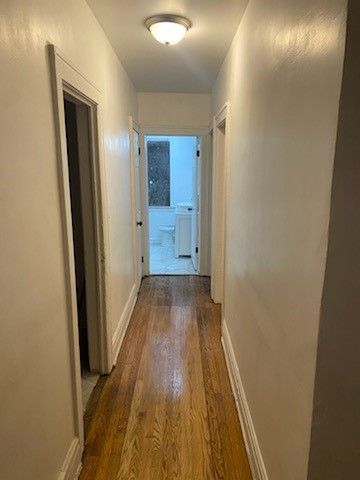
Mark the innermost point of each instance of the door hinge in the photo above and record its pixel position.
(197, 250)
(142, 259)
(198, 153)
(139, 151)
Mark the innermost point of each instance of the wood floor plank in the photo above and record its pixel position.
(166, 412)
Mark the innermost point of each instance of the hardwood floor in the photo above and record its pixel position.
(166, 411)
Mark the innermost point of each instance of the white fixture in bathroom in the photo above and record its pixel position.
(167, 235)
(183, 229)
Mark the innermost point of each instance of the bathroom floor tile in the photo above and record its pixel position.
(163, 261)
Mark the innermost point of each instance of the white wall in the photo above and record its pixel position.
(36, 414)
(174, 110)
(282, 77)
(182, 153)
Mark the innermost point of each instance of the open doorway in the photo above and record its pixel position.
(173, 204)
(78, 114)
(77, 127)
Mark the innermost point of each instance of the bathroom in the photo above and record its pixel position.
(172, 203)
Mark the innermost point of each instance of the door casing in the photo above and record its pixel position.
(205, 189)
(221, 126)
(67, 79)
(136, 200)
(195, 213)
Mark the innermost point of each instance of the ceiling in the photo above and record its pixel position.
(191, 65)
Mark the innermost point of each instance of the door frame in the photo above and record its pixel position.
(67, 79)
(203, 134)
(205, 188)
(134, 126)
(196, 213)
(219, 201)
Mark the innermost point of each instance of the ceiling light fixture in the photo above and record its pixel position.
(168, 29)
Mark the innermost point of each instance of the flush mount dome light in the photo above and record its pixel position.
(168, 29)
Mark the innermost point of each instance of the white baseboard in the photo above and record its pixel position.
(251, 443)
(123, 323)
(72, 463)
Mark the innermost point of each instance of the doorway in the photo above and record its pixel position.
(78, 138)
(172, 204)
(79, 122)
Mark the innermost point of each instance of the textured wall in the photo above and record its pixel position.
(282, 77)
(180, 110)
(36, 414)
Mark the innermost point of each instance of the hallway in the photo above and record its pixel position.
(144, 141)
(167, 411)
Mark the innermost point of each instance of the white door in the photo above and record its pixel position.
(195, 209)
(138, 209)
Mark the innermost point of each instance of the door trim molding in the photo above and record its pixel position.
(133, 126)
(218, 205)
(252, 446)
(205, 175)
(169, 131)
(67, 79)
(204, 135)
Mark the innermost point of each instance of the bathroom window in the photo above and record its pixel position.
(159, 173)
